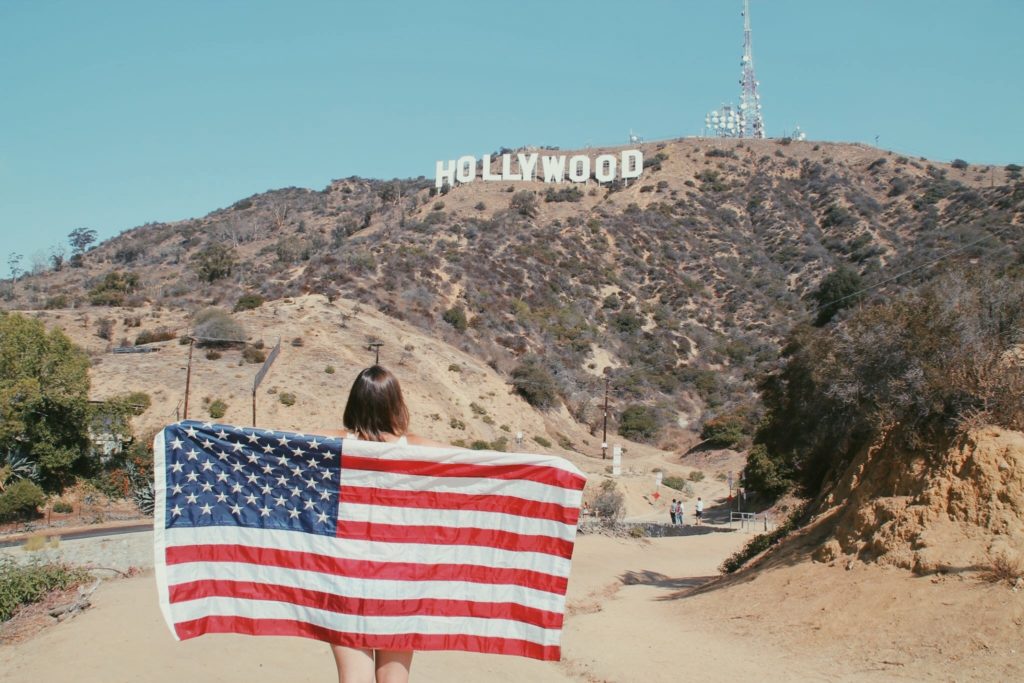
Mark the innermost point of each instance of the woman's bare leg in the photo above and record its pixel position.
(355, 665)
(393, 666)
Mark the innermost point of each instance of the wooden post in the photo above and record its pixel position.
(188, 375)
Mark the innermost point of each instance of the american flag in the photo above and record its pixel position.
(376, 545)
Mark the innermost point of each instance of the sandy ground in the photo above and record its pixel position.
(631, 616)
(611, 631)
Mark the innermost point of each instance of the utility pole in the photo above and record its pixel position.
(188, 375)
(375, 347)
(604, 433)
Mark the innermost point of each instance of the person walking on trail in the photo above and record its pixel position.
(680, 518)
(376, 411)
(699, 513)
(673, 510)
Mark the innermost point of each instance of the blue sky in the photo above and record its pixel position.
(115, 113)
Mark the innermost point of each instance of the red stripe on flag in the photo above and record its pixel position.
(401, 571)
(368, 495)
(524, 472)
(343, 604)
(404, 641)
(447, 535)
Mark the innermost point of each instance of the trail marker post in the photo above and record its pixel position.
(263, 373)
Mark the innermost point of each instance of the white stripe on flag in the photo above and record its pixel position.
(417, 553)
(374, 589)
(529, 490)
(428, 625)
(461, 519)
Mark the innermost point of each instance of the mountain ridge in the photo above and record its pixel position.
(683, 283)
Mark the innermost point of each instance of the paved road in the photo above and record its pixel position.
(84, 533)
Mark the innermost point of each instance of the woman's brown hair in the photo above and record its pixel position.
(375, 405)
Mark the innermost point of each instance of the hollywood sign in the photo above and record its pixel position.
(549, 168)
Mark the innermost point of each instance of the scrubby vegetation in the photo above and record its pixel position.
(688, 289)
(919, 367)
(25, 584)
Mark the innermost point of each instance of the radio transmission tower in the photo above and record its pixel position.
(750, 100)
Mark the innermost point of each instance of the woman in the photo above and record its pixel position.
(376, 411)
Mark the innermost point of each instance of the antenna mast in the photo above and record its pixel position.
(750, 101)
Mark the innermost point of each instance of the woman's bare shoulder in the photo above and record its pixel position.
(421, 441)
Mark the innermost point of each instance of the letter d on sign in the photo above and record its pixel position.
(632, 163)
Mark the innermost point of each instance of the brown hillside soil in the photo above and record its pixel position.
(959, 510)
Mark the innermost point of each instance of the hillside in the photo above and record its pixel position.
(682, 283)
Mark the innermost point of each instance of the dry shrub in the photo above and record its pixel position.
(1008, 567)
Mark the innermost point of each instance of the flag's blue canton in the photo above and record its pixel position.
(224, 475)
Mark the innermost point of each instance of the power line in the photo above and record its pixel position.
(906, 272)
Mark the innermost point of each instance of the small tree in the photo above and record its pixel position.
(639, 422)
(44, 391)
(609, 502)
(215, 262)
(21, 500)
(80, 239)
(534, 383)
(14, 265)
(524, 203)
(215, 327)
(838, 290)
(456, 317)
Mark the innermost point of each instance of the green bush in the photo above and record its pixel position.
(215, 327)
(696, 476)
(113, 288)
(726, 431)
(329, 369)
(838, 290)
(677, 483)
(639, 423)
(762, 542)
(217, 409)
(251, 354)
(286, 398)
(25, 584)
(534, 383)
(20, 500)
(63, 508)
(248, 302)
(151, 336)
(524, 203)
(456, 317)
(57, 301)
(216, 261)
(542, 442)
(609, 503)
(929, 360)
(454, 367)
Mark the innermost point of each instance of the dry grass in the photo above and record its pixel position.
(40, 542)
(1008, 567)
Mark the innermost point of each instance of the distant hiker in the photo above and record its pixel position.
(680, 519)
(673, 510)
(700, 509)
